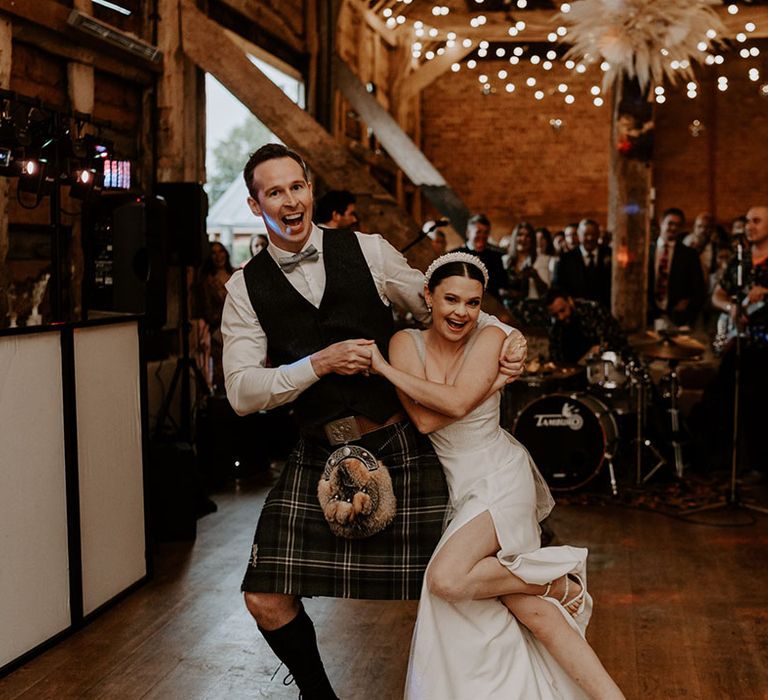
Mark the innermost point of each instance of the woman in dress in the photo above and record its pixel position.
(488, 572)
(211, 293)
(529, 273)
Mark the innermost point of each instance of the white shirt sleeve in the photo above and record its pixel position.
(250, 385)
(396, 281)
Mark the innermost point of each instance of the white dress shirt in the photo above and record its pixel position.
(588, 256)
(251, 386)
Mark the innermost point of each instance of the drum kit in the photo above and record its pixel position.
(572, 435)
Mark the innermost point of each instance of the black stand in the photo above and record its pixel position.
(733, 501)
(640, 380)
(184, 366)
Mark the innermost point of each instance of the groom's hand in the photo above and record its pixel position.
(346, 357)
(513, 353)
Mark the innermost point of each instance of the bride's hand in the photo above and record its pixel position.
(377, 360)
(513, 353)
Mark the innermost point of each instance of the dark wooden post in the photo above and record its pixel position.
(629, 215)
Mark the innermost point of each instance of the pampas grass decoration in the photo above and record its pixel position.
(641, 38)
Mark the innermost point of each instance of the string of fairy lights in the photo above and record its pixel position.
(522, 77)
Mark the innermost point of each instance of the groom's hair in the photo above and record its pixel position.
(270, 151)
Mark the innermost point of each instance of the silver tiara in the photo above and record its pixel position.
(457, 256)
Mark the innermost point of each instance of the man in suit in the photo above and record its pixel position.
(478, 232)
(676, 287)
(585, 271)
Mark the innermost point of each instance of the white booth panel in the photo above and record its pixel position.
(34, 560)
(110, 460)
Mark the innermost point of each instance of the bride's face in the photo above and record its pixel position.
(455, 306)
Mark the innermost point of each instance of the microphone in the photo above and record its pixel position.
(740, 263)
(435, 225)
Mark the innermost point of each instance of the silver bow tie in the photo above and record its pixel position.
(289, 264)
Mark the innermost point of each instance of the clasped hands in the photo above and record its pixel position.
(359, 355)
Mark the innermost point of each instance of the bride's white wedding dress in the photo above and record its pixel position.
(476, 650)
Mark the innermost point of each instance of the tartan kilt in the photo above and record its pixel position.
(295, 552)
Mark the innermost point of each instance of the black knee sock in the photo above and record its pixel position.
(295, 644)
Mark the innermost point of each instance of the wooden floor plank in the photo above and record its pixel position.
(680, 613)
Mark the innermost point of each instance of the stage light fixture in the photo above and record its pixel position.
(33, 178)
(87, 183)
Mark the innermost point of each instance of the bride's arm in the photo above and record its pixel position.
(477, 376)
(405, 356)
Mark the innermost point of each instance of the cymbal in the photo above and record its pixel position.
(536, 371)
(653, 345)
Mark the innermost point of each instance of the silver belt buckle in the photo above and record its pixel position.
(342, 430)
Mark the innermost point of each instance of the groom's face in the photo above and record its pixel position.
(283, 199)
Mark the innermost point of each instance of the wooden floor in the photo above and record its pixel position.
(681, 612)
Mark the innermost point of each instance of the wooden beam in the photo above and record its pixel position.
(53, 16)
(6, 32)
(428, 72)
(181, 119)
(735, 23)
(540, 23)
(629, 185)
(399, 146)
(250, 48)
(210, 48)
(54, 43)
(380, 27)
(268, 20)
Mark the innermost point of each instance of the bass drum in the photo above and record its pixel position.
(569, 436)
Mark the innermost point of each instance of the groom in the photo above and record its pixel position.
(314, 303)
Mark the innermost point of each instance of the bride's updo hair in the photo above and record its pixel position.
(455, 269)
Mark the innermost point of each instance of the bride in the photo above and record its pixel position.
(499, 616)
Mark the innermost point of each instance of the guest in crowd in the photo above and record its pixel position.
(210, 294)
(676, 287)
(559, 243)
(337, 209)
(585, 272)
(478, 233)
(258, 242)
(738, 229)
(528, 272)
(703, 240)
(571, 237)
(580, 326)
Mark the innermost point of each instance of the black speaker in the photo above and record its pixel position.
(187, 211)
(124, 243)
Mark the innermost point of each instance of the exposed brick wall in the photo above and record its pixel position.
(723, 170)
(503, 158)
(500, 153)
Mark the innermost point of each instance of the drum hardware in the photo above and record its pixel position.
(641, 379)
(670, 349)
(608, 376)
(570, 437)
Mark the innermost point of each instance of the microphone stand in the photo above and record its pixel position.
(733, 500)
(422, 235)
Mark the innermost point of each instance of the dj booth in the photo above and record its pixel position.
(72, 516)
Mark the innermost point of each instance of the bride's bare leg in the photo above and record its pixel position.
(566, 645)
(466, 568)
